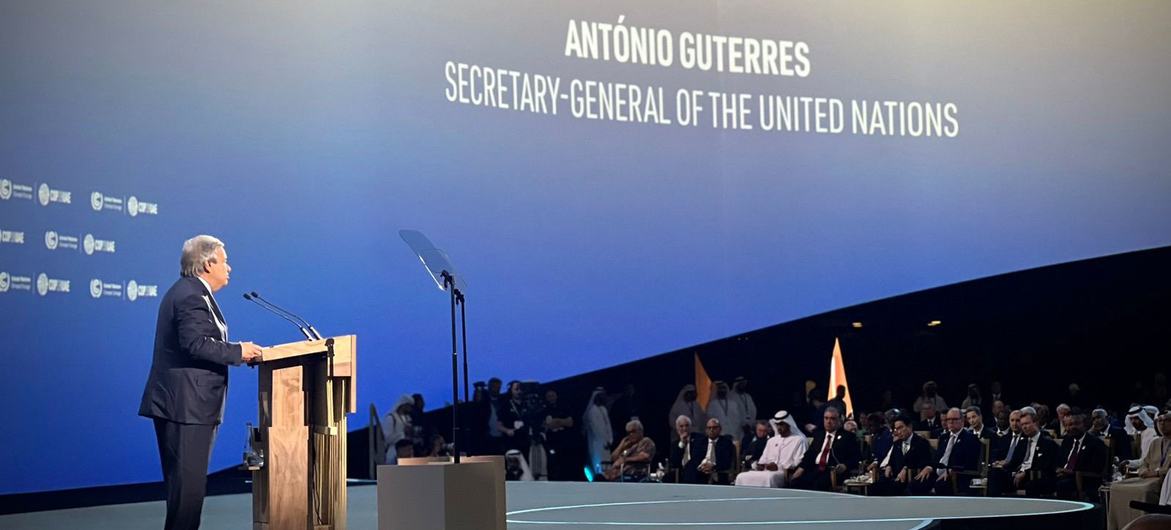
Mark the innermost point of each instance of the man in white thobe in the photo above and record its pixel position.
(782, 454)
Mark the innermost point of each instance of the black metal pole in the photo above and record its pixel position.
(450, 281)
(463, 326)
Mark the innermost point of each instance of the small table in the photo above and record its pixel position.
(858, 487)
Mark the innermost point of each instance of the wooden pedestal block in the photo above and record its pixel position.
(442, 495)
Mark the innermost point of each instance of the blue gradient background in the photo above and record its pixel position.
(306, 134)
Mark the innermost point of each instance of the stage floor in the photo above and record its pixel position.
(576, 505)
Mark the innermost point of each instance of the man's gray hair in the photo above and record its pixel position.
(683, 418)
(634, 424)
(197, 253)
(1030, 412)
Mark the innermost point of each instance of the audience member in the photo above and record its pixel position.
(930, 395)
(596, 428)
(717, 462)
(833, 454)
(1003, 423)
(723, 407)
(1114, 435)
(1007, 457)
(747, 404)
(495, 437)
(1143, 428)
(928, 419)
(510, 420)
(958, 453)
(1080, 453)
(880, 435)
(905, 466)
(687, 452)
(623, 408)
(1036, 474)
(1061, 423)
(975, 423)
(685, 405)
(396, 426)
(839, 401)
(559, 439)
(781, 456)
(403, 448)
(973, 399)
(1146, 486)
(752, 447)
(630, 461)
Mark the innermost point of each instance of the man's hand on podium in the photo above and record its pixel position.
(250, 352)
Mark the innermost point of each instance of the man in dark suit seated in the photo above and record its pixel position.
(958, 453)
(1080, 452)
(974, 418)
(1101, 428)
(928, 419)
(718, 452)
(188, 380)
(1007, 457)
(687, 452)
(1037, 472)
(833, 451)
(897, 469)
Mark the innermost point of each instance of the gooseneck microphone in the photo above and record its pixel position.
(296, 318)
(251, 298)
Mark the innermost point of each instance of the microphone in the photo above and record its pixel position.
(305, 323)
(256, 301)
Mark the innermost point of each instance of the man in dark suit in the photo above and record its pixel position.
(958, 453)
(1080, 452)
(1037, 472)
(928, 419)
(188, 379)
(1119, 441)
(895, 470)
(717, 456)
(834, 451)
(1007, 457)
(974, 417)
(687, 452)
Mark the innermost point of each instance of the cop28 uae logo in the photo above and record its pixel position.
(132, 290)
(43, 194)
(96, 200)
(88, 244)
(51, 240)
(5, 189)
(43, 284)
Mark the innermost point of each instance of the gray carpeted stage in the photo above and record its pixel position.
(573, 505)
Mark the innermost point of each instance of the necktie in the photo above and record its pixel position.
(711, 451)
(1071, 464)
(823, 458)
(947, 451)
(686, 452)
(1012, 447)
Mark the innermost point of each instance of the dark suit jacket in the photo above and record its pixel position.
(1120, 441)
(965, 453)
(1091, 457)
(1045, 458)
(918, 457)
(687, 473)
(843, 450)
(189, 372)
(880, 444)
(1000, 450)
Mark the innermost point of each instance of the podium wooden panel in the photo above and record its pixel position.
(306, 389)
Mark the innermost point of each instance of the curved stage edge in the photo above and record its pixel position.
(578, 505)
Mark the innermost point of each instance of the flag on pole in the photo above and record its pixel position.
(837, 376)
(703, 384)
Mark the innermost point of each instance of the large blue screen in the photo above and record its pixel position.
(919, 144)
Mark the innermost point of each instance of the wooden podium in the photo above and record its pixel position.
(306, 389)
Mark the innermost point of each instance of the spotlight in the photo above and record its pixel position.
(934, 323)
(857, 325)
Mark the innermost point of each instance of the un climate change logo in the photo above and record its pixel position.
(51, 240)
(5, 281)
(5, 189)
(95, 288)
(43, 284)
(96, 200)
(132, 290)
(88, 243)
